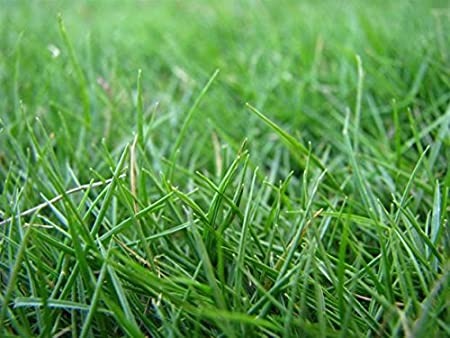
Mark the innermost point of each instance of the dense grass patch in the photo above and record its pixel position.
(224, 168)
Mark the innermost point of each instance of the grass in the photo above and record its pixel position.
(224, 168)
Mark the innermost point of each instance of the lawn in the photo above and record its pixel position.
(224, 168)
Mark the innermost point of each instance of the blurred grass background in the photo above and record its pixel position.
(293, 59)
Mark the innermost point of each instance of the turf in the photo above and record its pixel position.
(224, 168)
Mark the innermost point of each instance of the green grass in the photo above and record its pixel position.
(224, 168)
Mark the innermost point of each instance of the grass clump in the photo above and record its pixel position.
(231, 169)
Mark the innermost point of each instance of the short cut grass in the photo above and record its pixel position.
(224, 168)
